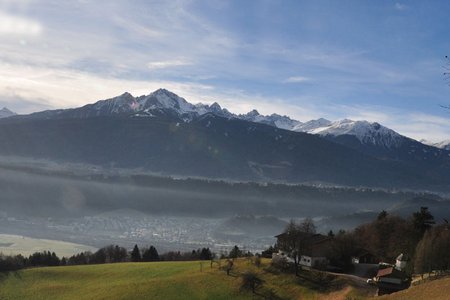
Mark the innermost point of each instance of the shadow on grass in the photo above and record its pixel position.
(320, 281)
(268, 294)
(5, 274)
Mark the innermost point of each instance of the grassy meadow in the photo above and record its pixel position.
(165, 280)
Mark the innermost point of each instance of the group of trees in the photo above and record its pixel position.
(427, 244)
(386, 237)
(108, 254)
(16, 262)
(151, 254)
(433, 251)
(148, 254)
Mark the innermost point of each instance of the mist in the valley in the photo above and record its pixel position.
(98, 209)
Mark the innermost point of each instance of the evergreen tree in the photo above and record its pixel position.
(235, 252)
(99, 257)
(205, 254)
(383, 214)
(423, 220)
(150, 254)
(135, 254)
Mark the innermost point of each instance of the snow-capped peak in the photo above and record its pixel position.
(364, 131)
(312, 125)
(160, 101)
(215, 107)
(164, 102)
(5, 113)
(283, 122)
(164, 99)
(252, 114)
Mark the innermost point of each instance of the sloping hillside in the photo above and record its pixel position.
(162, 280)
(436, 289)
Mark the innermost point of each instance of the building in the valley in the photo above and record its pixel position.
(311, 248)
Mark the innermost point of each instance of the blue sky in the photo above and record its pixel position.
(376, 60)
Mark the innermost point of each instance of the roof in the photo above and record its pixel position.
(312, 244)
(391, 272)
(385, 272)
(311, 238)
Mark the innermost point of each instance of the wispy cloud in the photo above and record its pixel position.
(400, 6)
(168, 64)
(296, 79)
(11, 25)
(81, 51)
(136, 28)
(64, 88)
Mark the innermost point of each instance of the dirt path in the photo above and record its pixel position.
(357, 282)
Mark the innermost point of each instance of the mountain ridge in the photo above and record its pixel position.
(163, 101)
(218, 144)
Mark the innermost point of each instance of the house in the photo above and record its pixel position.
(391, 278)
(281, 258)
(313, 248)
(363, 256)
(390, 275)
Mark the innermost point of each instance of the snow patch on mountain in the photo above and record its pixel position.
(444, 145)
(160, 100)
(5, 113)
(441, 145)
(312, 125)
(364, 131)
(163, 102)
(283, 122)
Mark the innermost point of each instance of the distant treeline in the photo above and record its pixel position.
(265, 189)
(109, 254)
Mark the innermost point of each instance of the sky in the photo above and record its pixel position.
(381, 61)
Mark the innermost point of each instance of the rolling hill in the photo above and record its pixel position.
(163, 280)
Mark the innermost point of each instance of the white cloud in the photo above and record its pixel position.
(400, 6)
(102, 50)
(11, 25)
(167, 64)
(40, 87)
(63, 88)
(296, 79)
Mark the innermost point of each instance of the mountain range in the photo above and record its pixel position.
(162, 132)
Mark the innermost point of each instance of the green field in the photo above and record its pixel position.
(159, 280)
(15, 244)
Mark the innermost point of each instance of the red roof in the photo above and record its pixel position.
(385, 272)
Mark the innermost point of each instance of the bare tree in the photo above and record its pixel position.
(293, 239)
